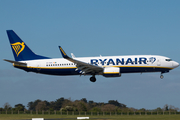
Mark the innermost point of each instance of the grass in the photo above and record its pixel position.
(107, 117)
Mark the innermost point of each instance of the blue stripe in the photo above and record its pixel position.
(71, 71)
(142, 69)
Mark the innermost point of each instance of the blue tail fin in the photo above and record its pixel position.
(20, 50)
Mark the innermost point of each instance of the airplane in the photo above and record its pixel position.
(108, 66)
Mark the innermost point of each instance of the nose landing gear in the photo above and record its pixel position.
(161, 76)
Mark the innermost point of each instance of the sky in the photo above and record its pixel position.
(92, 28)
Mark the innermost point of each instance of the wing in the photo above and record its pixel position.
(85, 67)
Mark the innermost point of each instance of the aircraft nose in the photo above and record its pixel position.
(175, 64)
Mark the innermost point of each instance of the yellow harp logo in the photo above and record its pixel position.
(18, 47)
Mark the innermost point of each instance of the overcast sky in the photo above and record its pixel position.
(92, 28)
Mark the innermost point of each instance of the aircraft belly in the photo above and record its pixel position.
(70, 71)
(59, 71)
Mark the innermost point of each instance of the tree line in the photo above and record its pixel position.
(64, 105)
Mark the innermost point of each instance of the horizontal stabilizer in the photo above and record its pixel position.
(15, 62)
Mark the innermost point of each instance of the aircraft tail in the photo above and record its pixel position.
(20, 50)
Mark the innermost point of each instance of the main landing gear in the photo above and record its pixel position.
(161, 76)
(93, 79)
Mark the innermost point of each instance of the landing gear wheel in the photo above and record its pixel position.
(161, 76)
(92, 79)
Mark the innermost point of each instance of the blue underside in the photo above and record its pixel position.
(73, 72)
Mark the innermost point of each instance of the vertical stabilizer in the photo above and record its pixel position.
(20, 50)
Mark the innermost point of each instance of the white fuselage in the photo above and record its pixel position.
(127, 64)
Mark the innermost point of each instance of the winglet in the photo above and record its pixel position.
(63, 53)
(73, 56)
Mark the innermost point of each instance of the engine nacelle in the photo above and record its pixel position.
(111, 72)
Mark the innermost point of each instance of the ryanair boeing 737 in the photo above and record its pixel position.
(108, 66)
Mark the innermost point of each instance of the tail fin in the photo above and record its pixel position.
(20, 50)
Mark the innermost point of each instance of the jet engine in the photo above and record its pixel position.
(111, 72)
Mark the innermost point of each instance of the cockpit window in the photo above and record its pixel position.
(168, 60)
